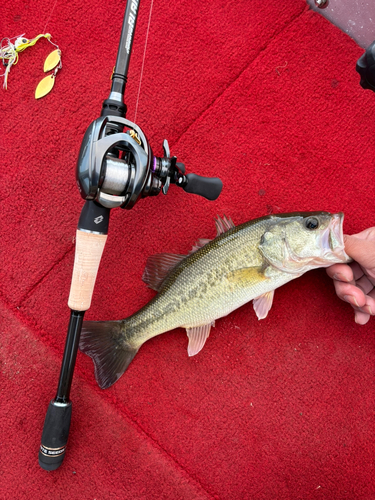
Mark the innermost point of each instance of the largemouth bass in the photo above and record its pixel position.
(242, 263)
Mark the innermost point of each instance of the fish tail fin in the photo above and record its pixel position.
(104, 342)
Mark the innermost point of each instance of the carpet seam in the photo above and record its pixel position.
(31, 290)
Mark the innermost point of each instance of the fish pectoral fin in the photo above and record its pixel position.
(263, 304)
(247, 275)
(197, 337)
(158, 267)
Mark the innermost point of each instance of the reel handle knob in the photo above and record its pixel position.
(208, 187)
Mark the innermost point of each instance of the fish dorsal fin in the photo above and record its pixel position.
(223, 224)
(197, 337)
(199, 244)
(263, 304)
(158, 267)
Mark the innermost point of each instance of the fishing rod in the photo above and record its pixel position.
(115, 168)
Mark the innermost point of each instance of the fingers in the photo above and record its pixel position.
(341, 272)
(364, 284)
(362, 251)
(362, 303)
(357, 270)
(361, 318)
(354, 283)
(370, 302)
(350, 293)
(356, 297)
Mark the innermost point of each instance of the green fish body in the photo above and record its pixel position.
(242, 263)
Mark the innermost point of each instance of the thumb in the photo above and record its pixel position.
(361, 250)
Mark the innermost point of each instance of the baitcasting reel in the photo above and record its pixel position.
(116, 167)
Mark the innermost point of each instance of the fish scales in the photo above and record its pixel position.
(197, 291)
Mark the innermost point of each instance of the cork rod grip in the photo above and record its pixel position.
(89, 250)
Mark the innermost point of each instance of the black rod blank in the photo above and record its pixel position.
(120, 74)
(70, 355)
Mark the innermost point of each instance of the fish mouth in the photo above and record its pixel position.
(333, 239)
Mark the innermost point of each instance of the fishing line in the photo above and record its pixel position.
(49, 17)
(143, 61)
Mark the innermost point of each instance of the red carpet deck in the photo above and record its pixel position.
(264, 95)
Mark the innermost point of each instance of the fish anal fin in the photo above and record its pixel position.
(246, 275)
(197, 338)
(263, 304)
(158, 267)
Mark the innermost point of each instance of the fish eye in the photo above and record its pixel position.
(311, 223)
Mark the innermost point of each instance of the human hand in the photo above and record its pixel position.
(354, 283)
